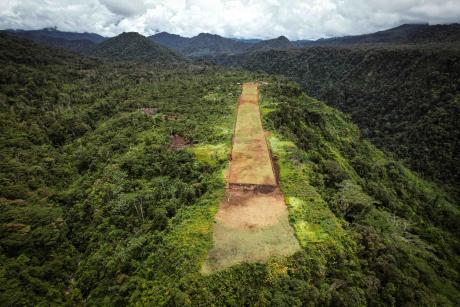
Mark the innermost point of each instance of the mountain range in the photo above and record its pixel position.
(211, 45)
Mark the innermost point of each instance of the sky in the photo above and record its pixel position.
(305, 19)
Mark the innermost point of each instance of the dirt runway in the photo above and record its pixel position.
(252, 222)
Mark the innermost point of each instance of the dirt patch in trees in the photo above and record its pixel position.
(150, 111)
(178, 142)
(171, 117)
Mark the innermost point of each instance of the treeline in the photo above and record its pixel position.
(405, 99)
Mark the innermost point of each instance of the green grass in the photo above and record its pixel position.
(309, 214)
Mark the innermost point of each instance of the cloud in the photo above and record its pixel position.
(309, 19)
(124, 8)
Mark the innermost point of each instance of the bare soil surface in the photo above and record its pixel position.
(178, 142)
(250, 227)
(150, 111)
(249, 209)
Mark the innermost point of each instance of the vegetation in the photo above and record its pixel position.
(405, 99)
(98, 207)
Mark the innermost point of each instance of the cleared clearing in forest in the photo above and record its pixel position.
(252, 222)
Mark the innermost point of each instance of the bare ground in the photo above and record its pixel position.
(250, 227)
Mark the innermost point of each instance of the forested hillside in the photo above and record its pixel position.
(405, 99)
(112, 173)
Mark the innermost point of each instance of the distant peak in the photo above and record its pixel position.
(165, 34)
(50, 29)
(131, 34)
(207, 35)
(412, 25)
(282, 38)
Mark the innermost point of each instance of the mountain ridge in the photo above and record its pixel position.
(134, 46)
(207, 44)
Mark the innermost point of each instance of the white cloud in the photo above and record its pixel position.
(125, 8)
(235, 18)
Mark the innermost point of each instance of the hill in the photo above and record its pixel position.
(404, 34)
(135, 47)
(99, 206)
(404, 98)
